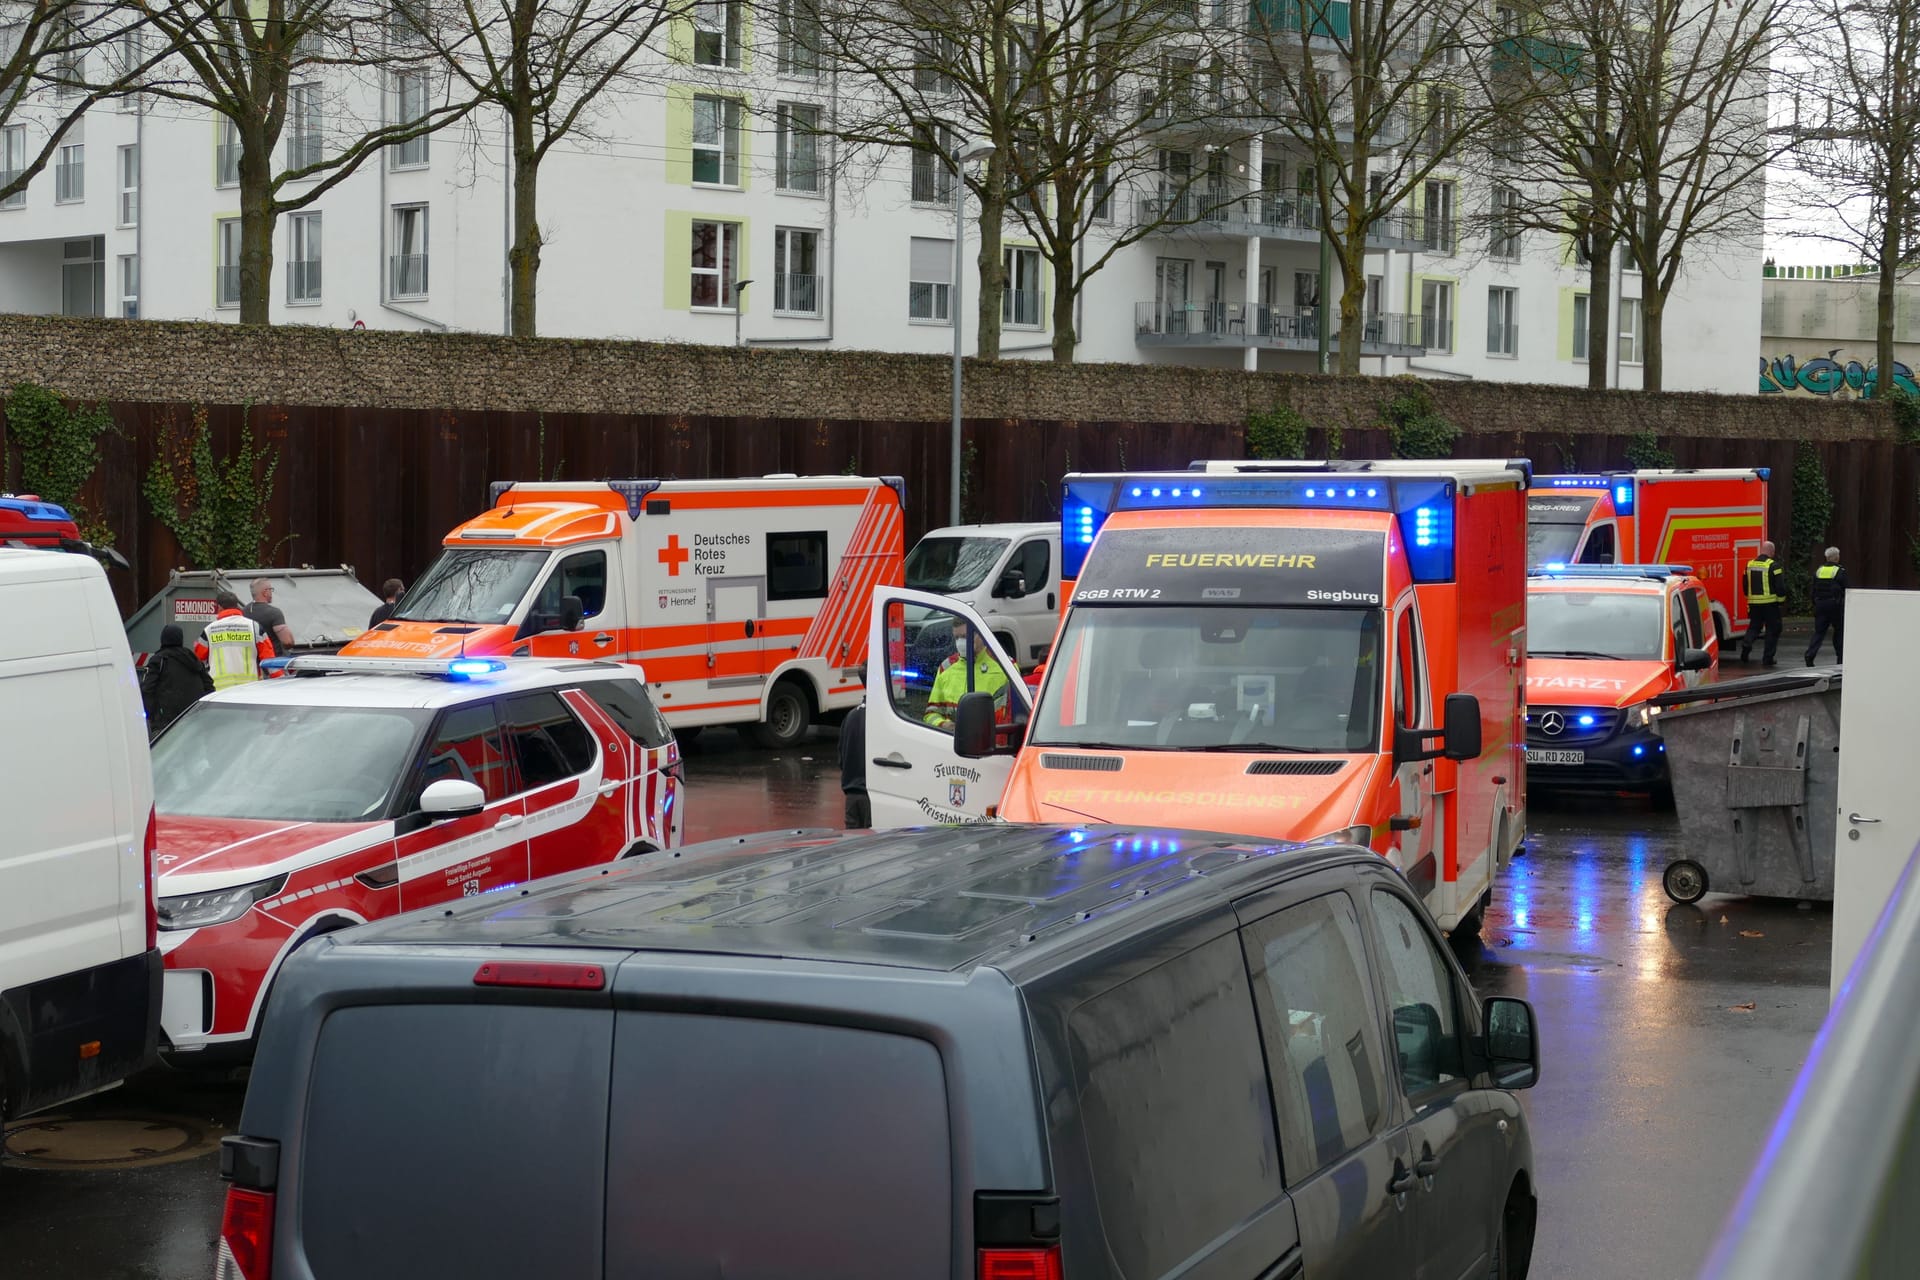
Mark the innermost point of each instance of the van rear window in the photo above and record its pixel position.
(762, 1150)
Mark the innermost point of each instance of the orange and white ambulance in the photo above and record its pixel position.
(1284, 650)
(746, 600)
(1713, 520)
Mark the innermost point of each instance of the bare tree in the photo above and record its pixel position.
(339, 80)
(549, 67)
(57, 59)
(1856, 142)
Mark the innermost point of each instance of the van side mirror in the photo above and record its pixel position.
(452, 798)
(1695, 659)
(1512, 1042)
(572, 613)
(973, 726)
(1012, 585)
(1458, 738)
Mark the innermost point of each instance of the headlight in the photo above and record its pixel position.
(1639, 717)
(195, 910)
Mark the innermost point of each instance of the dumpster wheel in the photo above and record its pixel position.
(1685, 881)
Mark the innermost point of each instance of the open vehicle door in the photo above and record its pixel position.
(915, 677)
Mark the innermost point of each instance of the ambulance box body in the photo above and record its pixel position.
(1712, 520)
(745, 600)
(1284, 650)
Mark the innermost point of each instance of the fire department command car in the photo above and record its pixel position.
(291, 808)
(746, 600)
(1711, 520)
(1286, 650)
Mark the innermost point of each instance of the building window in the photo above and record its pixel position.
(799, 23)
(796, 280)
(1503, 336)
(127, 55)
(797, 148)
(129, 287)
(1102, 194)
(409, 107)
(13, 163)
(1439, 215)
(933, 73)
(1580, 324)
(932, 179)
(70, 170)
(716, 141)
(226, 281)
(227, 155)
(930, 279)
(303, 260)
(83, 277)
(1633, 331)
(716, 257)
(1442, 119)
(1021, 304)
(1436, 316)
(716, 33)
(1376, 293)
(68, 43)
(1506, 223)
(409, 265)
(303, 125)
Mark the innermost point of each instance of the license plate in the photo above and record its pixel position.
(1541, 756)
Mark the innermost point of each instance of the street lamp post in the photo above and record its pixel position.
(964, 152)
(738, 287)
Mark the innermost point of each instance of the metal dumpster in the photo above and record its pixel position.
(1755, 765)
(325, 608)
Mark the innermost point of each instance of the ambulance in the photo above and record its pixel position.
(1713, 520)
(745, 599)
(1283, 650)
(28, 522)
(1602, 641)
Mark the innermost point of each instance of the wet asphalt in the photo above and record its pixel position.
(1670, 1037)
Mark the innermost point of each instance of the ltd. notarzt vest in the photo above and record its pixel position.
(1828, 589)
(1763, 582)
(233, 651)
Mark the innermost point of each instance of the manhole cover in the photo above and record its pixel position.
(106, 1142)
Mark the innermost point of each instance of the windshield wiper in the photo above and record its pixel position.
(1098, 746)
(1575, 653)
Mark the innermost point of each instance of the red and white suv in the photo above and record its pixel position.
(367, 787)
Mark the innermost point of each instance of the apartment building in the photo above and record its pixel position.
(707, 207)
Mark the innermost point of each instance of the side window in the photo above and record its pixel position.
(1321, 1028)
(1407, 700)
(467, 747)
(796, 566)
(627, 702)
(1420, 996)
(583, 576)
(1677, 623)
(1696, 617)
(934, 656)
(548, 744)
(1034, 562)
(1599, 548)
(1172, 1101)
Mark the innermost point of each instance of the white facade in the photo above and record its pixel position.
(836, 266)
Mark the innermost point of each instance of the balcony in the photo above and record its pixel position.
(1253, 324)
(409, 275)
(796, 295)
(1327, 19)
(303, 281)
(69, 181)
(1270, 215)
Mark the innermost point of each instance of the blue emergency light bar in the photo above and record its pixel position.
(1620, 482)
(1656, 572)
(441, 668)
(1423, 506)
(34, 509)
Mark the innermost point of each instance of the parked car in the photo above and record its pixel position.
(79, 967)
(999, 1051)
(291, 808)
(1009, 574)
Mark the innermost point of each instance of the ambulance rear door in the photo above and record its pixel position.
(914, 775)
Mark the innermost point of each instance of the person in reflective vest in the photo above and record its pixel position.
(1766, 586)
(232, 646)
(952, 682)
(1829, 606)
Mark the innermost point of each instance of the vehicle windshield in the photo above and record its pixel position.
(472, 584)
(947, 565)
(1552, 543)
(1595, 624)
(1214, 678)
(286, 763)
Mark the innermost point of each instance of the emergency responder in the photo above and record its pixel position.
(267, 616)
(853, 769)
(1829, 606)
(1766, 586)
(390, 592)
(952, 681)
(172, 680)
(232, 646)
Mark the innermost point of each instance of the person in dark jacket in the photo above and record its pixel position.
(853, 768)
(173, 680)
(390, 592)
(1829, 593)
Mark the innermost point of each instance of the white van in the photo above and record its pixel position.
(1009, 574)
(79, 968)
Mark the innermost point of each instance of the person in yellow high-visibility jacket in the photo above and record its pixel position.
(952, 682)
(1765, 581)
(232, 646)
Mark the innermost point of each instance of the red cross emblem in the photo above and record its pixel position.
(673, 555)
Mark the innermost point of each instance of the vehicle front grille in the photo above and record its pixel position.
(1573, 733)
(1083, 764)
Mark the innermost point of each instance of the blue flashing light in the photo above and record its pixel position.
(1078, 837)
(1085, 524)
(467, 668)
(1586, 720)
(1373, 493)
(1623, 498)
(1309, 493)
(1556, 566)
(1572, 482)
(1426, 526)
(1640, 749)
(1136, 491)
(901, 673)
(1154, 492)
(1660, 746)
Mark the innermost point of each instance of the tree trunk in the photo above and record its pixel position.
(992, 273)
(523, 260)
(1064, 294)
(256, 228)
(1882, 383)
(1599, 310)
(1653, 303)
(1353, 299)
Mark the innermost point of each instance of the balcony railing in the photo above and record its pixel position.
(409, 275)
(1207, 208)
(69, 180)
(797, 294)
(303, 149)
(1252, 323)
(1502, 339)
(18, 200)
(226, 285)
(227, 161)
(303, 281)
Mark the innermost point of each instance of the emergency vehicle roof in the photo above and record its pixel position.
(1037, 529)
(415, 691)
(1602, 479)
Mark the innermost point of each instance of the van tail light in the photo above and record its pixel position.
(153, 879)
(246, 1236)
(521, 973)
(1020, 1264)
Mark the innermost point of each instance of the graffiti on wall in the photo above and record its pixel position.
(1827, 375)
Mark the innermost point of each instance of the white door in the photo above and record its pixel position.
(914, 775)
(1026, 613)
(735, 609)
(1879, 812)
